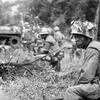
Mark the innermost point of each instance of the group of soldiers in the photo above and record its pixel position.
(48, 40)
(83, 35)
(44, 40)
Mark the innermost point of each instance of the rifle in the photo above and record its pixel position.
(37, 57)
(18, 65)
(23, 64)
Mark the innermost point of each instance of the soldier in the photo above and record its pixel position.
(82, 26)
(50, 45)
(26, 32)
(88, 84)
(59, 37)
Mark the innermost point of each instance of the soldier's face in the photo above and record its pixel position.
(43, 36)
(78, 40)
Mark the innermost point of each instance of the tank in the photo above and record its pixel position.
(9, 37)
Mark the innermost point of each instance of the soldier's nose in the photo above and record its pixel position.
(73, 40)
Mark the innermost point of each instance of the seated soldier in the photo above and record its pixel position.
(50, 45)
(88, 84)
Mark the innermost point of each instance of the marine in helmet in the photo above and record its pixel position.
(50, 45)
(87, 86)
(48, 39)
(82, 26)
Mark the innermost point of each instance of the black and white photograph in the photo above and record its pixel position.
(49, 50)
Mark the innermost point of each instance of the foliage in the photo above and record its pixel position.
(52, 12)
(62, 11)
(44, 82)
(4, 15)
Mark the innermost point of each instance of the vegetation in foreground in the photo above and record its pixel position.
(44, 82)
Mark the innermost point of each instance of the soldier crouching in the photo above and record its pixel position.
(49, 45)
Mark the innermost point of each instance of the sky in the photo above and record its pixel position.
(8, 1)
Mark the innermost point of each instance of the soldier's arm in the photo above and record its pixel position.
(90, 66)
(50, 41)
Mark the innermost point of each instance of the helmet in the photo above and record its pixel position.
(87, 33)
(26, 24)
(91, 36)
(56, 28)
(44, 30)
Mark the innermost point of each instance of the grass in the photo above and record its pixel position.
(45, 82)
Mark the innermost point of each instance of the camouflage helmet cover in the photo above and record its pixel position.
(88, 33)
(56, 28)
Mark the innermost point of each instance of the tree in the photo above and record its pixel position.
(4, 13)
(51, 11)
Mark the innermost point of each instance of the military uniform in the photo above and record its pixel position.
(59, 37)
(88, 85)
(54, 44)
(51, 46)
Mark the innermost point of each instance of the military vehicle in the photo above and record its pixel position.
(9, 37)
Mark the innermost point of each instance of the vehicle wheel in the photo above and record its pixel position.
(14, 42)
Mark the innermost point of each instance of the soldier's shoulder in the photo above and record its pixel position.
(50, 38)
(94, 46)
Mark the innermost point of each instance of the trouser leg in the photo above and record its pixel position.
(72, 94)
(78, 92)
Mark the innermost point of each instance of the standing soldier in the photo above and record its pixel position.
(59, 37)
(26, 32)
